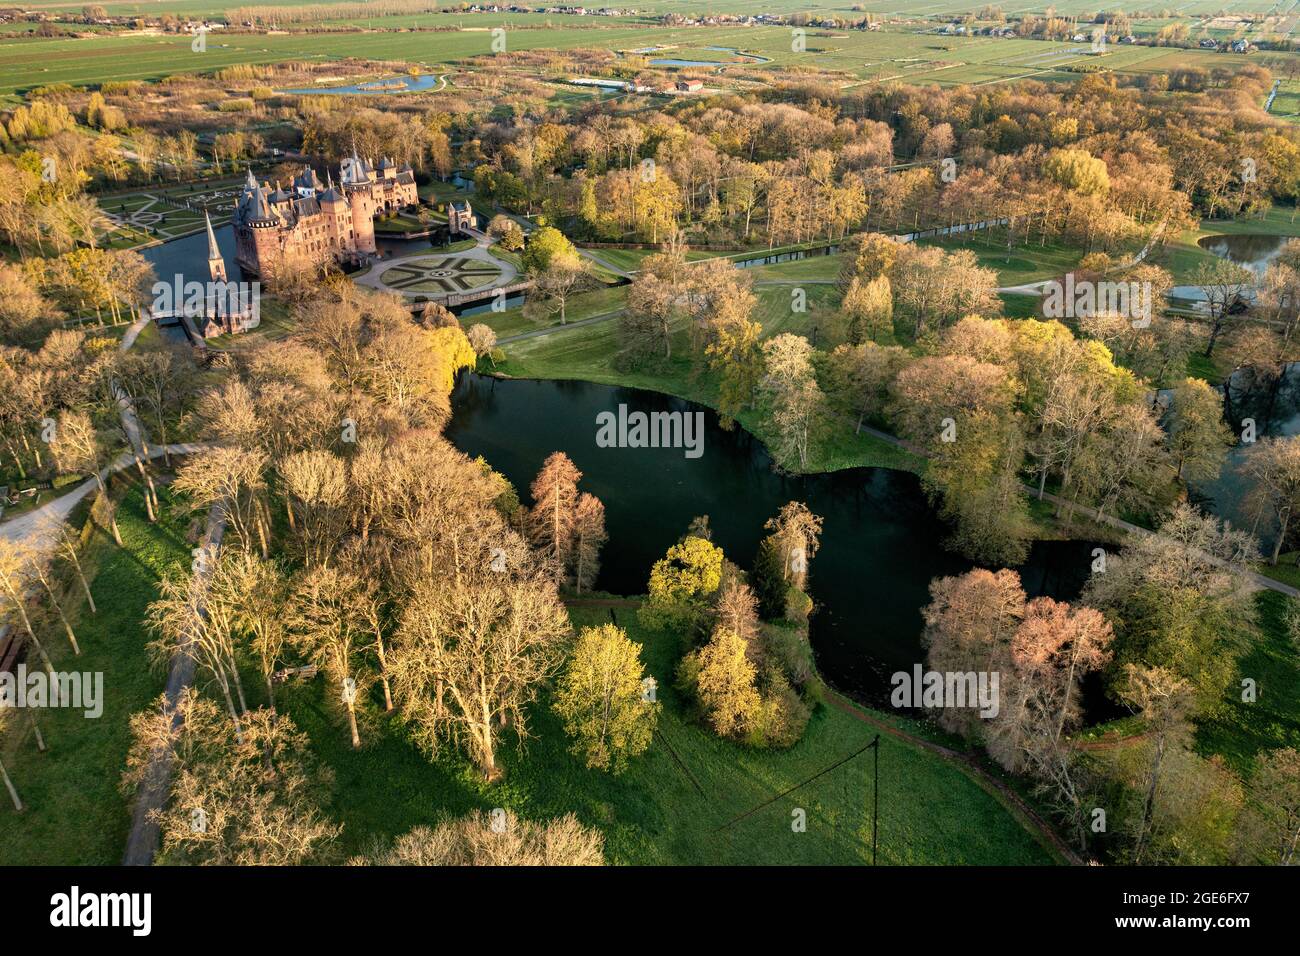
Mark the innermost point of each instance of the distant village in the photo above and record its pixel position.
(66, 23)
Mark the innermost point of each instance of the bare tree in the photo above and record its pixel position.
(469, 656)
(326, 629)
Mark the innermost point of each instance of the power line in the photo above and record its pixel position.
(874, 745)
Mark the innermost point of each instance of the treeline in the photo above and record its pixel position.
(279, 16)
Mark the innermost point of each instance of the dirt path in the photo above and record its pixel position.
(142, 842)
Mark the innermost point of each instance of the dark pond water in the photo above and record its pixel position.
(1274, 404)
(1254, 252)
(392, 84)
(880, 543)
(793, 255)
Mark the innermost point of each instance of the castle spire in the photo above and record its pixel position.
(213, 251)
(216, 264)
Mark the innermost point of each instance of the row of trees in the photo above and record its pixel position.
(407, 575)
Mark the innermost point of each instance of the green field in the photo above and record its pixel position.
(75, 813)
(889, 8)
(909, 57)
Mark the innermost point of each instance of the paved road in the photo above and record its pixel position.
(536, 333)
(34, 526)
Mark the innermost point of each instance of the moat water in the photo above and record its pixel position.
(880, 543)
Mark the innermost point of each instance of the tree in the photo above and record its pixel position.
(680, 585)
(78, 447)
(796, 532)
(724, 682)
(469, 655)
(1165, 702)
(1272, 826)
(16, 575)
(256, 593)
(969, 625)
(733, 352)
(589, 537)
(235, 479)
(1273, 467)
(183, 623)
(552, 522)
(790, 387)
(1179, 600)
(655, 300)
(324, 627)
(236, 799)
(1199, 438)
(963, 413)
(556, 283)
(482, 340)
(601, 699)
(1223, 283)
(869, 306)
(315, 488)
(857, 379)
(501, 839)
(545, 246)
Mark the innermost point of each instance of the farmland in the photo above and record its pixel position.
(908, 57)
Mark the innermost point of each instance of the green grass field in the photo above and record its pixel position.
(1243, 729)
(895, 54)
(75, 813)
(930, 811)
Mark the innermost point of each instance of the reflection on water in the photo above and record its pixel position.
(1253, 251)
(879, 545)
(1274, 404)
(392, 84)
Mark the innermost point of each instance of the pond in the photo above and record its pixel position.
(1253, 251)
(880, 542)
(388, 85)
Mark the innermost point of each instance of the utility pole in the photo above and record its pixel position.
(875, 795)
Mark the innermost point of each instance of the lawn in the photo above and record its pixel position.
(1029, 262)
(75, 813)
(895, 54)
(512, 321)
(930, 811)
(1241, 730)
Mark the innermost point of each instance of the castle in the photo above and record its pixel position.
(319, 221)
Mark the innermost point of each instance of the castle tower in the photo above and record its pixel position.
(216, 264)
